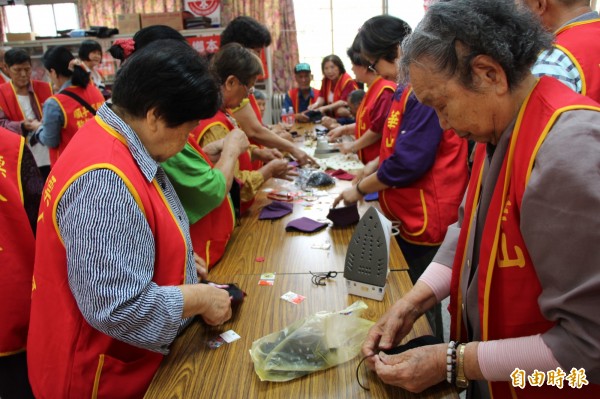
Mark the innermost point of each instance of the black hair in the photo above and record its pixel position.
(336, 61)
(87, 47)
(58, 58)
(234, 59)
(145, 36)
(381, 35)
(356, 96)
(16, 56)
(453, 33)
(170, 77)
(354, 53)
(246, 31)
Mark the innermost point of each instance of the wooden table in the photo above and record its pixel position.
(193, 370)
(288, 252)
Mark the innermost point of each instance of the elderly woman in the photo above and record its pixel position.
(115, 278)
(521, 263)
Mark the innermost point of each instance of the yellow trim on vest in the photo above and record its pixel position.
(65, 117)
(494, 251)
(425, 217)
(97, 166)
(17, 99)
(569, 26)
(19, 162)
(210, 125)
(3, 354)
(549, 125)
(97, 378)
(577, 65)
(207, 253)
(162, 196)
(474, 207)
(111, 131)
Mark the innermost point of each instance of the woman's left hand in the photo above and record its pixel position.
(200, 267)
(414, 370)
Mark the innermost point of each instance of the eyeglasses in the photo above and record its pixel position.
(318, 278)
(373, 66)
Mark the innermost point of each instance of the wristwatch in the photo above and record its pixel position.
(461, 379)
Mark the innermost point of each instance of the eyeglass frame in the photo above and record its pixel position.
(373, 66)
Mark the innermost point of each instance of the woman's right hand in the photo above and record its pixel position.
(236, 139)
(217, 305)
(281, 169)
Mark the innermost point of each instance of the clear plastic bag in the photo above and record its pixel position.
(316, 342)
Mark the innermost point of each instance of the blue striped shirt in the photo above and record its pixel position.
(555, 63)
(111, 252)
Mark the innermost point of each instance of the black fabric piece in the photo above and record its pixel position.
(79, 100)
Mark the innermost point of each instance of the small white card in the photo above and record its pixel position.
(292, 297)
(230, 336)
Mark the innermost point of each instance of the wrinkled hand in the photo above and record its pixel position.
(200, 267)
(281, 169)
(336, 133)
(217, 309)
(266, 154)
(286, 136)
(414, 370)
(237, 139)
(390, 329)
(329, 122)
(346, 147)
(349, 196)
(302, 118)
(31, 125)
(213, 150)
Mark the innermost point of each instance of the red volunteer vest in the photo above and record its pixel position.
(574, 40)
(211, 234)
(363, 116)
(343, 81)
(17, 248)
(256, 165)
(2, 80)
(508, 285)
(428, 206)
(10, 105)
(295, 97)
(74, 114)
(244, 160)
(67, 357)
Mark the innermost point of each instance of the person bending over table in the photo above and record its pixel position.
(254, 36)
(335, 88)
(521, 263)
(114, 280)
(421, 172)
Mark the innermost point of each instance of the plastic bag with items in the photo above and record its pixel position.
(316, 342)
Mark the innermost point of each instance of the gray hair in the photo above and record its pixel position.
(453, 33)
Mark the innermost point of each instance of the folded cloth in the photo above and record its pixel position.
(305, 225)
(372, 196)
(341, 174)
(275, 210)
(345, 216)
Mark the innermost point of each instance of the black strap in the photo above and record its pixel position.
(79, 100)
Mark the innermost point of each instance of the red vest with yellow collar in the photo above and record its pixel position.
(580, 42)
(363, 116)
(343, 81)
(10, 105)
(17, 248)
(74, 114)
(68, 358)
(428, 206)
(508, 285)
(244, 160)
(295, 97)
(211, 234)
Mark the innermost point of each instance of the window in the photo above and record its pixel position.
(44, 20)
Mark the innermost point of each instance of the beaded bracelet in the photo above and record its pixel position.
(451, 362)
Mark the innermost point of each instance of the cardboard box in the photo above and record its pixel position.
(19, 37)
(128, 23)
(172, 19)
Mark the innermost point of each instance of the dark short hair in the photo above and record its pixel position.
(87, 47)
(453, 33)
(354, 53)
(381, 35)
(246, 31)
(16, 56)
(356, 96)
(260, 95)
(234, 59)
(145, 36)
(58, 58)
(337, 61)
(171, 77)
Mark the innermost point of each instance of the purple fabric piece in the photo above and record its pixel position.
(345, 216)
(293, 163)
(341, 174)
(416, 148)
(305, 225)
(372, 196)
(275, 210)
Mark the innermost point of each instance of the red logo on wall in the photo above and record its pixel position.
(203, 7)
